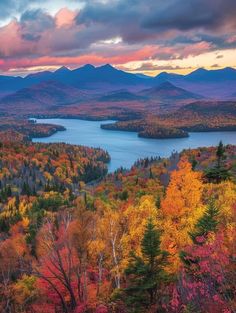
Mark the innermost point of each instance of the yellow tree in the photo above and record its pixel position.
(181, 208)
(136, 218)
(111, 230)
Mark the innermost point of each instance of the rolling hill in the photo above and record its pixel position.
(42, 96)
(167, 93)
(123, 95)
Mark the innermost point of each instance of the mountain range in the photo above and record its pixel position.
(216, 84)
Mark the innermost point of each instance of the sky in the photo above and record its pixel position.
(145, 36)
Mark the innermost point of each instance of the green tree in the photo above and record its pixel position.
(220, 153)
(207, 223)
(146, 274)
(218, 172)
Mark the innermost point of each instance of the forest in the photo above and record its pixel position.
(148, 128)
(194, 117)
(159, 237)
(23, 130)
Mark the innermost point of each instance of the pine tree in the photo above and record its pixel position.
(146, 274)
(158, 202)
(218, 172)
(207, 223)
(9, 191)
(220, 153)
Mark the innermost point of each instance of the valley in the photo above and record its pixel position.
(117, 156)
(126, 147)
(158, 107)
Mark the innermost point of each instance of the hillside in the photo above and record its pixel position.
(208, 83)
(120, 96)
(41, 97)
(54, 226)
(197, 116)
(166, 92)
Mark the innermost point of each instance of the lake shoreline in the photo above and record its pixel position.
(125, 148)
(186, 130)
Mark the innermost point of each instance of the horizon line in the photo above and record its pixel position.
(133, 71)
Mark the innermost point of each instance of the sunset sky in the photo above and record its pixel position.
(147, 36)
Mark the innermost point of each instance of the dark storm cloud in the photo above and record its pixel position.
(146, 30)
(136, 20)
(123, 17)
(34, 22)
(192, 14)
(30, 37)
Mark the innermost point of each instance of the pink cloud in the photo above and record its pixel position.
(74, 61)
(40, 39)
(65, 18)
(196, 49)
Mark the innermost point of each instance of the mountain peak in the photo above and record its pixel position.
(229, 69)
(107, 67)
(200, 70)
(62, 69)
(88, 67)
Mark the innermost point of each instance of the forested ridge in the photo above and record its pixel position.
(159, 237)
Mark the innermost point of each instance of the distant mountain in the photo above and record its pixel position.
(103, 79)
(121, 96)
(141, 75)
(90, 76)
(164, 76)
(211, 107)
(36, 78)
(9, 84)
(202, 75)
(62, 70)
(42, 96)
(216, 84)
(167, 92)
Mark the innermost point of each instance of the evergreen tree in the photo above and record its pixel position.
(8, 191)
(151, 174)
(26, 189)
(218, 172)
(158, 202)
(146, 274)
(220, 153)
(207, 223)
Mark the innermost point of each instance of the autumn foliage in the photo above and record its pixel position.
(159, 237)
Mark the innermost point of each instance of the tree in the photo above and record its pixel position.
(146, 274)
(207, 223)
(220, 153)
(57, 264)
(218, 173)
(206, 266)
(180, 209)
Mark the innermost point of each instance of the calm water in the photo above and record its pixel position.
(126, 147)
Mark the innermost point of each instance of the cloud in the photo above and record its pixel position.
(65, 18)
(33, 23)
(192, 14)
(149, 66)
(15, 7)
(215, 65)
(114, 31)
(135, 20)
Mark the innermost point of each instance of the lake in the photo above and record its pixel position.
(126, 147)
